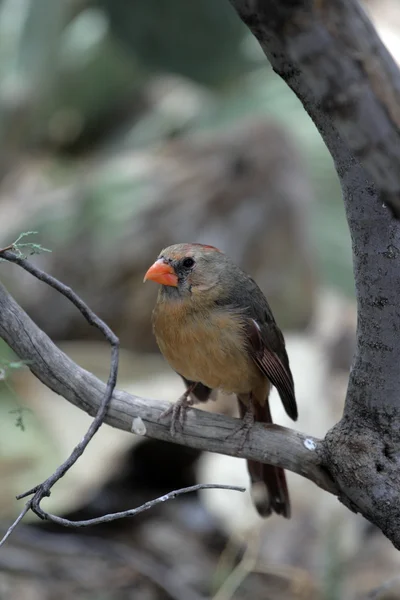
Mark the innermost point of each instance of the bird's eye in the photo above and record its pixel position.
(188, 262)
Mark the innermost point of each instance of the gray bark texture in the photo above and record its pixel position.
(328, 52)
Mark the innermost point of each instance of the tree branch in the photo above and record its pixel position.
(275, 445)
(134, 511)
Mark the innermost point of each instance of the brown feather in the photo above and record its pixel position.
(276, 495)
(207, 346)
(272, 366)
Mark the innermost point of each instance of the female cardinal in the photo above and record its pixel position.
(216, 329)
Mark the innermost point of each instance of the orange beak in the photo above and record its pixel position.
(162, 272)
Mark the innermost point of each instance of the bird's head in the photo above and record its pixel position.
(187, 269)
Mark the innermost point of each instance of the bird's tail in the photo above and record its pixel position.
(269, 488)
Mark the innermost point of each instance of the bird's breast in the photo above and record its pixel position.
(208, 346)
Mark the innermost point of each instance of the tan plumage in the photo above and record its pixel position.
(187, 339)
(215, 328)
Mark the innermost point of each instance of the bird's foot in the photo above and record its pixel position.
(178, 411)
(243, 430)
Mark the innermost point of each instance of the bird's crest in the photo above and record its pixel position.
(205, 246)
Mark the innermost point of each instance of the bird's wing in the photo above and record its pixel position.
(263, 346)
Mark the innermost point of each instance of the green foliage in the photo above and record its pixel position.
(24, 249)
(7, 366)
(200, 40)
(19, 422)
(27, 452)
(10, 365)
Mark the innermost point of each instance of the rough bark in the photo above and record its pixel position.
(330, 55)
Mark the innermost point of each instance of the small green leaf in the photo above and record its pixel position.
(31, 247)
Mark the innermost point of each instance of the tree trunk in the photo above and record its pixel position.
(330, 55)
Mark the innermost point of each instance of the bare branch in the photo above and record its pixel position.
(36, 508)
(18, 520)
(42, 490)
(275, 445)
(135, 511)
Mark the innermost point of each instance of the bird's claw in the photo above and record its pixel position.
(178, 412)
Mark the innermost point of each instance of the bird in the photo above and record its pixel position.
(215, 328)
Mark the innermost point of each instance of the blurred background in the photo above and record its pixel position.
(125, 127)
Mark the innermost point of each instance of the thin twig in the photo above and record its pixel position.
(135, 511)
(42, 490)
(22, 514)
(10, 247)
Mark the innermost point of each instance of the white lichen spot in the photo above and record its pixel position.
(138, 426)
(310, 444)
